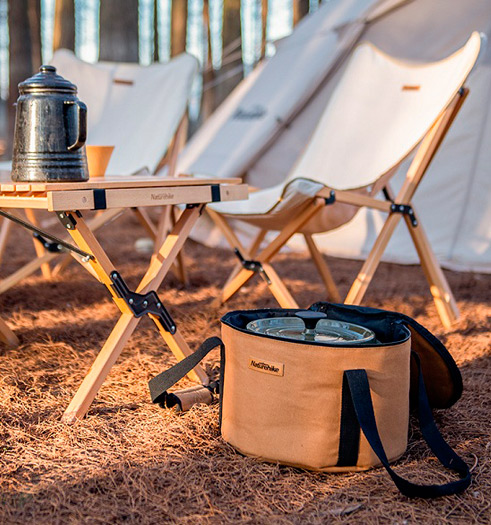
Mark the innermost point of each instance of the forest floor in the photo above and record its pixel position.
(131, 461)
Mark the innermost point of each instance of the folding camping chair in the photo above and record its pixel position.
(382, 111)
(141, 111)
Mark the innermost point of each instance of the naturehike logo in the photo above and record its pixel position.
(161, 196)
(252, 113)
(260, 365)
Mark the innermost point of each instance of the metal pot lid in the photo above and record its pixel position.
(47, 80)
(312, 327)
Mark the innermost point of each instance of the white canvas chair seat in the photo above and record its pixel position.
(381, 110)
(271, 208)
(135, 108)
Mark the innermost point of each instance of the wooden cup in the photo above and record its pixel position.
(98, 158)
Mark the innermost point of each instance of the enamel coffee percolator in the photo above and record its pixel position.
(50, 130)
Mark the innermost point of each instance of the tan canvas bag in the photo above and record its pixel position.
(330, 408)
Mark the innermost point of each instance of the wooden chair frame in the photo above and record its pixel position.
(254, 262)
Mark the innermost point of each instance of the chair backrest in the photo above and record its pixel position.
(379, 112)
(135, 108)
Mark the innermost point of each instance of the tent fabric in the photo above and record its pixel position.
(135, 108)
(453, 200)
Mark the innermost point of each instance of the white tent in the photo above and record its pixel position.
(261, 129)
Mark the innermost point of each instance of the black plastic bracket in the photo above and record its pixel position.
(405, 209)
(50, 246)
(331, 199)
(143, 304)
(190, 206)
(215, 193)
(252, 266)
(100, 199)
(67, 219)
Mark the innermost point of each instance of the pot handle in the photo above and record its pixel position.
(81, 124)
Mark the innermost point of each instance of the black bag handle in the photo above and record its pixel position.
(159, 384)
(362, 402)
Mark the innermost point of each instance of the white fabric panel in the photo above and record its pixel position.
(135, 108)
(380, 110)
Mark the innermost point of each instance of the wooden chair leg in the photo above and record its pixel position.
(265, 256)
(40, 251)
(440, 290)
(180, 266)
(323, 269)
(7, 336)
(25, 271)
(232, 287)
(364, 277)
(256, 244)
(278, 288)
(4, 235)
(166, 220)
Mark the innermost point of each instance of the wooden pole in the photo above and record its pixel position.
(64, 30)
(119, 30)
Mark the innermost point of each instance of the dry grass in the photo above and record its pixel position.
(132, 461)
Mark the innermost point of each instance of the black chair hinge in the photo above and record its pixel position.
(252, 266)
(143, 304)
(405, 209)
(331, 199)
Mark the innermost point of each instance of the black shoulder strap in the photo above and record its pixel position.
(161, 383)
(362, 401)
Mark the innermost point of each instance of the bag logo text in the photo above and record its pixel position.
(260, 365)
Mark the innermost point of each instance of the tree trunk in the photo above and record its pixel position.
(156, 54)
(300, 9)
(231, 35)
(208, 97)
(264, 26)
(119, 30)
(64, 31)
(231, 23)
(24, 51)
(179, 18)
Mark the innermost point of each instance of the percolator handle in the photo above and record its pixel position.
(81, 124)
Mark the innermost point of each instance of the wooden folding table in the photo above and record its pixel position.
(70, 200)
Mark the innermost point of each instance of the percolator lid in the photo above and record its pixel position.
(47, 80)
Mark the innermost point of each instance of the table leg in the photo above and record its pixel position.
(102, 266)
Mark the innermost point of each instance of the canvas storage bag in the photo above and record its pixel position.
(330, 408)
